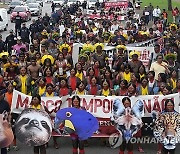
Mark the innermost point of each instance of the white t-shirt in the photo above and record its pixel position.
(61, 29)
(158, 68)
(114, 27)
(156, 12)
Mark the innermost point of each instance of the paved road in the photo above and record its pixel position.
(46, 8)
(94, 147)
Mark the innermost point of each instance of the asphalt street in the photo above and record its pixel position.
(46, 8)
(94, 147)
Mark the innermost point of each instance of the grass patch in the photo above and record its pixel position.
(163, 4)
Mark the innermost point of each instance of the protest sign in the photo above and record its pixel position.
(99, 106)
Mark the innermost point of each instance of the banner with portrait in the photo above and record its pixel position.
(99, 106)
(145, 53)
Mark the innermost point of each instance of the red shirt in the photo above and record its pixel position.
(175, 12)
(96, 72)
(123, 92)
(48, 80)
(93, 90)
(63, 91)
(73, 83)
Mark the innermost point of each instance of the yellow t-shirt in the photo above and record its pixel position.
(23, 84)
(80, 93)
(144, 90)
(127, 76)
(36, 107)
(141, 76)
(160, 93)
(94, 29)
(42, 90)
(105, 92)
(173, 83)
(79, 75)
(47, 95)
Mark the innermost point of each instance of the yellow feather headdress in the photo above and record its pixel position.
(47, 57)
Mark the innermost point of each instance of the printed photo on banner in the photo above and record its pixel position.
(99, 106)
(144, 53)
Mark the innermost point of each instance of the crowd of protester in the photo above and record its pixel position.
(38, 59)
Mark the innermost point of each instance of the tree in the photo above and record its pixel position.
(169, 5)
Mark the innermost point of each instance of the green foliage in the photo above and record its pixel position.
(163, 4)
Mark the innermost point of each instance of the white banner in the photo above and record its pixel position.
(99, 106)
(145, 53)
(147, 43)
(21, 101)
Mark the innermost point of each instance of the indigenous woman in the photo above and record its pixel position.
(50, 93)
(152, 82)
(126, 75)
(90, 75)
(63, 89)
(126, 146)
(48, 74)
(93, 87)
(173, 79)
(108, 76)
(36, 104)
(72, 80)
(100, 55)
(142, 71)
(177, 89)
(122, 90)
(106, 90)
(79, 71)
(135, 78)
(10, 72)
(47, 62)
(96, 68)
(132, 91)
(80, 90)
(22, 82)
(41, 87)
(61, 65)
(8, 98)
(77, 144)
(144, 89)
